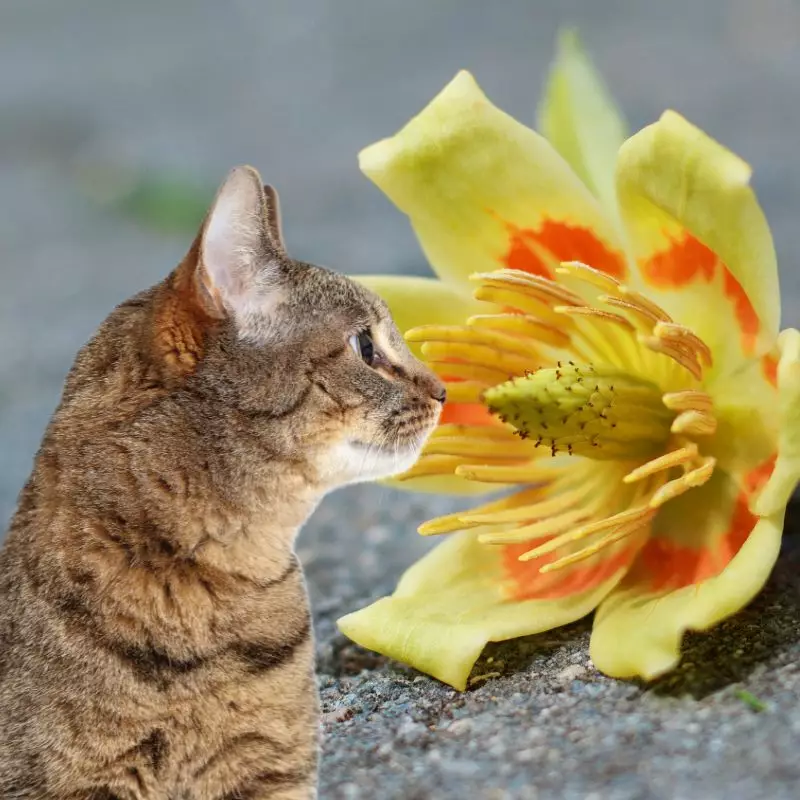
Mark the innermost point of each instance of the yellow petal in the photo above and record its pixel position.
(638, 628)
(579, 118)
(483, 191)
(745, 402)
(451, 603)
(785, 477)
(702, 244)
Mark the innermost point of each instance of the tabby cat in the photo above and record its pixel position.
(155, 638)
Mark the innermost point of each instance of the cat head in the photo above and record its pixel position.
(302, 363)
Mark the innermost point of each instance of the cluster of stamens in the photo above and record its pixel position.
(623, 384)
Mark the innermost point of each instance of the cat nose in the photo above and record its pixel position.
(433, 386)
(437, 391)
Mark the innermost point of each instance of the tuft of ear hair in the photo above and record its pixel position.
(233, 270)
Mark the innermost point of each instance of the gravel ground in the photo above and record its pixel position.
(191, 87)
(726, 724)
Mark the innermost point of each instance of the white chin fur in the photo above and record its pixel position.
(356, 463)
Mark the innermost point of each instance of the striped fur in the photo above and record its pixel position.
(155, 635)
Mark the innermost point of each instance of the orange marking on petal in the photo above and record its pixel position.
(564, 242)
(466, 414)
(769, 366)
(665, 565)
(745, 313)
(755, 480)
(686, 260)
(521, 257)
(525, 582)
(681, 263)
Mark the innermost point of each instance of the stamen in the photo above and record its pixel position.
(590, 275)
(488, 376)
(479, 354)
(642, 301)
(553, 505)
(512, 449)
(691, 480)
(643, 318)
(527, 281)
(519, 300)
(551, 526)
(472, 335)
(495, 433)
(490, 473)
(624, 532)
(682, 335)
(624, 517)
(695, 423)
(427, 466)
(665, 462)
(465, 391)
(678, 355)
(688, 400)
(596, 337)
(523, 325)
(588, 311)
(455, 522)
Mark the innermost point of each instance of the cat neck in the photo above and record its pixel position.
(154, 503)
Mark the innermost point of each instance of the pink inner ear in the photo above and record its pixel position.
(234, 242)
(228, 244)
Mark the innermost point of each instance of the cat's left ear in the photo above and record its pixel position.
(241, 255)
(235, 270)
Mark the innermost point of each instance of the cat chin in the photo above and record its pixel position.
(357, 462)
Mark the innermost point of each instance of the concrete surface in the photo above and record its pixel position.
(96, 98)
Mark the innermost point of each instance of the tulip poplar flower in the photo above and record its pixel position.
(606, 317)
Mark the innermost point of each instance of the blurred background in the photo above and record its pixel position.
(117, 120)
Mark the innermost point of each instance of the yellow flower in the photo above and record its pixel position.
(612, 351)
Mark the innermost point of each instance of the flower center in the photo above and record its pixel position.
(631, 395)
(582, 409)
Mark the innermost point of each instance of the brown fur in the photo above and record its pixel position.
(155, 637)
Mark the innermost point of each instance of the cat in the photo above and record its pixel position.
(155, 636)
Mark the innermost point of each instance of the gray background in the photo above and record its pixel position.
(116, 122)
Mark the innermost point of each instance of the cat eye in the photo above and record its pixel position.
(363, 346)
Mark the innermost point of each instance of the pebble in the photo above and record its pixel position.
(460, 727)
(338, 715)
(571, 673)
(410, 732)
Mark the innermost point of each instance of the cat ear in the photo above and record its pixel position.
(273, 212)
(233, 270)
(238, 264)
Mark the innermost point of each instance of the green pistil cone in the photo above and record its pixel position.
(585, 410)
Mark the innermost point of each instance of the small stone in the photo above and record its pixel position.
(349, 791)
(410, 732)
(459, 727)
(385, 750)
(571, 673)
(338, 715)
